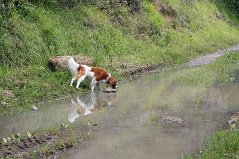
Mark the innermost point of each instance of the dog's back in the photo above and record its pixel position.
(72, 66)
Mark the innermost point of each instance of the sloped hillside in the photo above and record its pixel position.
(157, 32)
(123, 35)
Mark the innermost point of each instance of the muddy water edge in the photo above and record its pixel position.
(154, 117)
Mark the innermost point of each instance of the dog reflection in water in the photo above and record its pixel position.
(95, 102)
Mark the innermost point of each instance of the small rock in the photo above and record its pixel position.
(170, 119)
(94, 124)
(8, 138)
(4, 140)
(232, 79)
(63, 126)
(130, 78)
(233, 119)
(4, 103)
(29, 134)
(8, 93)
(34, 108)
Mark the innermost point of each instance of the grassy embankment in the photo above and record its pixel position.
(125, 35)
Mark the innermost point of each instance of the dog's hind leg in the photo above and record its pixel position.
(72, 80)
(93, 83)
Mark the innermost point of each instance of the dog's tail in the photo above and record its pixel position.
(72, 66)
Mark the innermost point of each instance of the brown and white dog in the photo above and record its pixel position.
(97, 74)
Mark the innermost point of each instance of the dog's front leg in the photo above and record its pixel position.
(100, 87)
(72, 80)
(80, 80)
(93, 98)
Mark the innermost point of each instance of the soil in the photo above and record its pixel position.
(46, 145)
(132, 72)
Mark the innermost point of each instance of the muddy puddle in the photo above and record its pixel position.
(53, 115)
(149, 118)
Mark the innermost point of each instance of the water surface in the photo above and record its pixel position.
(128, 122)
(130, 127)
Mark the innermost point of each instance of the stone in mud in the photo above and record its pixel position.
(171, 119)
(233, 119)
(4, 140)
(34, 108)
(4, 103)
(8, 93)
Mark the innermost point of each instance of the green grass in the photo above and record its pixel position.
(224, 144)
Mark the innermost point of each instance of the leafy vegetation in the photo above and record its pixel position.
(224, 144)
(231, 7)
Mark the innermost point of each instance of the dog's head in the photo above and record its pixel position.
(112, 82)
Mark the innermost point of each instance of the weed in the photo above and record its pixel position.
(224, 144)
(154, 119)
